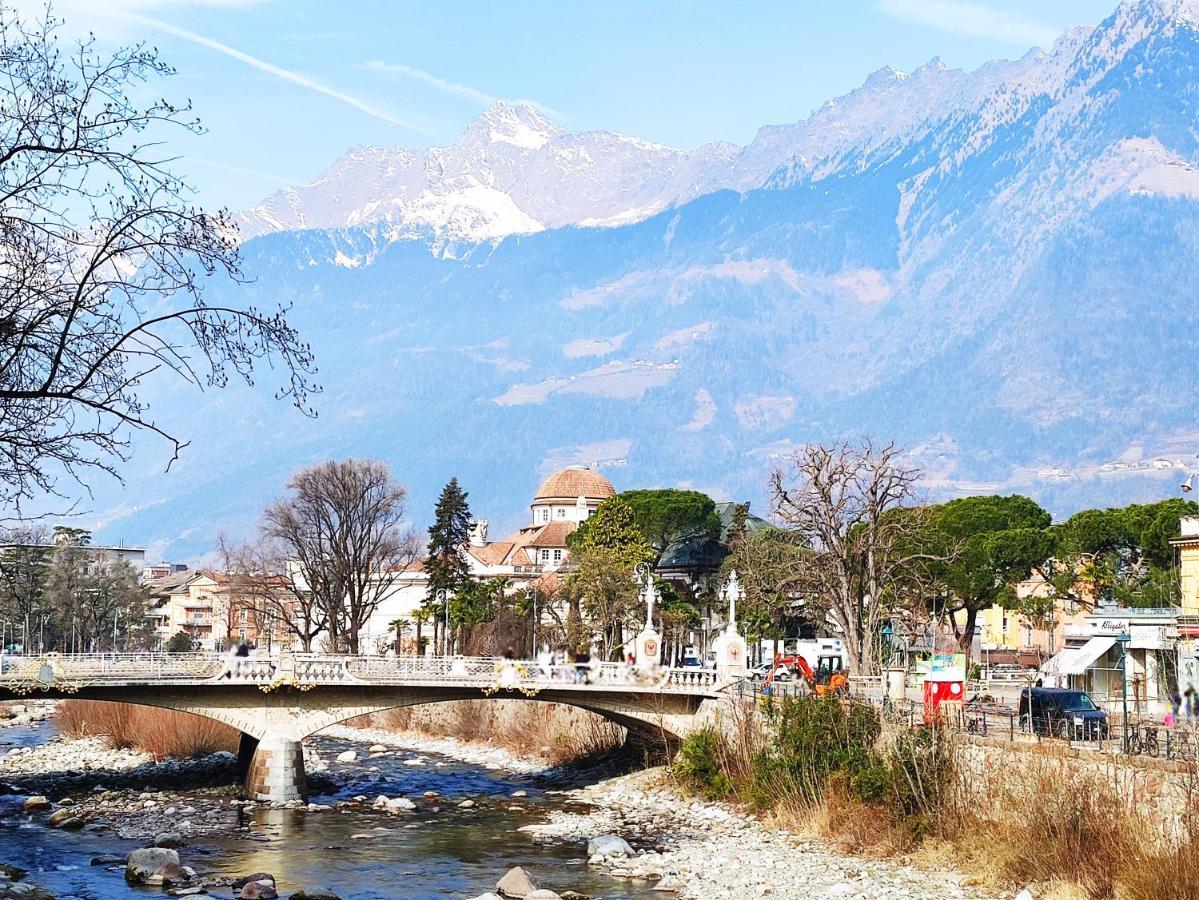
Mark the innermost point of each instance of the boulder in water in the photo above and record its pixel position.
(143, 863)
(314, 893)
(608, 845)
(516, 883)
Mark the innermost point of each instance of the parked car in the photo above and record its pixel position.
(760, 671)
(1062, 712)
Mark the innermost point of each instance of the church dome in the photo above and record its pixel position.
(571, 483)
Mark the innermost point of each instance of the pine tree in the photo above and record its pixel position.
(446, 563)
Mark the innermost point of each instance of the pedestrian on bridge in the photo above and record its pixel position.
(233, 661)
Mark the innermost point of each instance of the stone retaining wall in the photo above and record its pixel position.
(1000, 777)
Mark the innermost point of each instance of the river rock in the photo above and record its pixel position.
(23, 890)
(239, 883)
(143, 863)
(172, 875)
(347, 756)
(377, 748)
(35, 803)
(59, 816)
(108, 859)
(516, 883)
(608, 845)
(171, 839)
(488, 896)
(258, 890)
(315, 893)
(520, 793)
(466, 804)
(543, 894)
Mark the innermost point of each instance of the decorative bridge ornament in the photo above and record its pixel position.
(70, 672)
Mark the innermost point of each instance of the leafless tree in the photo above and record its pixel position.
(104, 262)
(342, 529)
(262, 581)
(842, 501)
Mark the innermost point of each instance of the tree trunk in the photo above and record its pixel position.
(966, 640)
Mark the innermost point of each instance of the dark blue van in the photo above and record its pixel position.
(1062, 712)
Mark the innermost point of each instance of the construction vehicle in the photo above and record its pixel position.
(820, 664)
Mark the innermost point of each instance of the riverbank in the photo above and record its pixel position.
(693, 849)
(707, 850)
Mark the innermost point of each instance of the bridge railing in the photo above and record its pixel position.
(311, 669)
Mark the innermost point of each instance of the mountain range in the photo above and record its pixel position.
(994, 268)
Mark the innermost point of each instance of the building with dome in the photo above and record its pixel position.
(534, 552)
(563, 500)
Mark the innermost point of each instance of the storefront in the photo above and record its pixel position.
(1094, 661)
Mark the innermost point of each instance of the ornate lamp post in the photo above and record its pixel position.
(647, 649)
(730, 645)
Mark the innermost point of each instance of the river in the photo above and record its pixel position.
(454, 852)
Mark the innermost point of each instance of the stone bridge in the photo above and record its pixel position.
(275, 702)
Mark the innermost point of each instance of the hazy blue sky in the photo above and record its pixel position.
(287, 86)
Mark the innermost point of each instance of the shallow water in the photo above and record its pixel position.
(452, 853)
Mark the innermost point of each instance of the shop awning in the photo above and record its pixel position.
(1056, 664)
(1085, 656)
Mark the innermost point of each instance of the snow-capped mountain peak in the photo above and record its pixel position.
(520, 125)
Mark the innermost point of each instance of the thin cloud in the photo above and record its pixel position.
(451, 87)
(277, 71)
(975, 20)
(442, 84)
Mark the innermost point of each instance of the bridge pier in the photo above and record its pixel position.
(272, 769)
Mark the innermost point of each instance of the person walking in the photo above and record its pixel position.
(231, 665)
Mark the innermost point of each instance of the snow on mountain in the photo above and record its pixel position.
(511, 172)
(994, 268)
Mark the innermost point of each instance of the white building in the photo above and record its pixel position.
(1095, 661)
(533, 552)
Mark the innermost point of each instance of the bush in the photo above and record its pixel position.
(159, 732)
(815, 739)
(699, 764)
(180, 642)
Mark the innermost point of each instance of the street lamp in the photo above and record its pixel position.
(1123, 640)
(445, 640)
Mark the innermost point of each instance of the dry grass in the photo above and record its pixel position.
(159, 732)
(1075, 830)
(559, 733)
(1169, 873)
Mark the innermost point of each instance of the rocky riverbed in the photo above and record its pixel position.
(706, 850)
(651, 837)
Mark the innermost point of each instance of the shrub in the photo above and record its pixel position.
(699, 764)
(180, 642)
(815, 738)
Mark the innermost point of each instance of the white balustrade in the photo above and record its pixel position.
(311, 669)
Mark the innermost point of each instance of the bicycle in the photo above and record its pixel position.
(1142, 740)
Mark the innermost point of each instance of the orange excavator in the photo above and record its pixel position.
(827, 678)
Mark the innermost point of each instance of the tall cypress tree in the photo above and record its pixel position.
(446, 563)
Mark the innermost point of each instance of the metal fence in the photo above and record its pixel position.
(1143, 737)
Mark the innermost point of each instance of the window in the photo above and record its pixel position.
(545, 555)
(243, 616)
(561, 511)
(557, 556)
(543, 515)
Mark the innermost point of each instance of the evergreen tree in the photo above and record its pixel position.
(446, 563)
